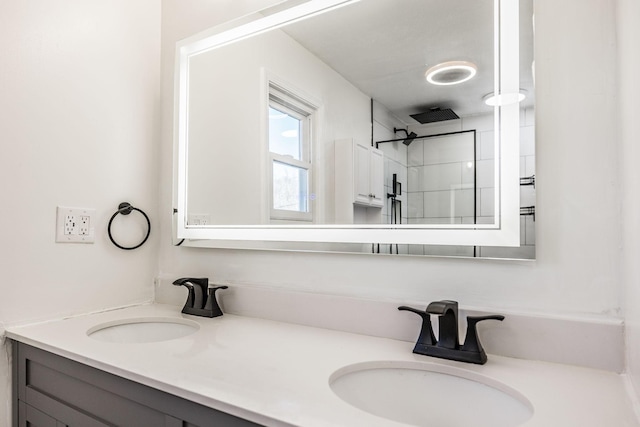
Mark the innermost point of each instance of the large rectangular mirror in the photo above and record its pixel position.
(314, 123)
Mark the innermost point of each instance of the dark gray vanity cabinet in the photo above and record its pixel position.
(52, 391)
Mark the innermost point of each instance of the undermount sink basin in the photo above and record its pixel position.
(423, 394)
(143, 330)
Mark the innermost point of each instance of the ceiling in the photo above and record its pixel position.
(384, 47)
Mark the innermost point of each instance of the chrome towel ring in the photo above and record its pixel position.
(125, 208)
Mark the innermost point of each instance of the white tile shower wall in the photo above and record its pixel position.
(436, 177)
(443, 178)
(439, 201)
(527, 195)
(447, 149)
(487, 145)
(485, 173)
(415, 205)
(395, 162)
(393, 165)
(528, 192)
(434, 185)
(415, 153)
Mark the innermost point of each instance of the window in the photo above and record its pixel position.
(290, 156)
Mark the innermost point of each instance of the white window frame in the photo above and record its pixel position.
(287, 102)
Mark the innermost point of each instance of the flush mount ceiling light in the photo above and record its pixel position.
(504, 98)
(451, 73)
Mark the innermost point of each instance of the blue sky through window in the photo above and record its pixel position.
(284, 134)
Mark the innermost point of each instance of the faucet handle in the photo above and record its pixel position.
(426, 336)
(211, 307)
(471, 341)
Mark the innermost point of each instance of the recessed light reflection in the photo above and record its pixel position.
(504, 98)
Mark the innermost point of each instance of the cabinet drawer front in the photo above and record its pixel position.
(58, 391)
(31, 417)
(82, 396)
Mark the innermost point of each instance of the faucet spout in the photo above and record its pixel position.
(447, 323)
(197, 290)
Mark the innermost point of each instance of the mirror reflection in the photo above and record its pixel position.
(335, 120)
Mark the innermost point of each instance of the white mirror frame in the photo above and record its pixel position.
(505, 231)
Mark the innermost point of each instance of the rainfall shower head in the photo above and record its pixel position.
(410, 136)
(435, 115)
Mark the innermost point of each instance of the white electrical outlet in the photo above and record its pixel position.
(69, 225)
(75, 225)
(84, 225)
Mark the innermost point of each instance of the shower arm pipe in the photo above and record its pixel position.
(406, 132)
(425, 136)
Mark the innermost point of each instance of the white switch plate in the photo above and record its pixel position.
(75, 225)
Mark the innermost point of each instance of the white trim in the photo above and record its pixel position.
(294, 215)
(213, 38)
(283, 97)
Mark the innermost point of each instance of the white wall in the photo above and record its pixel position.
(79, 81)
(578, 234)
(79, 120)
(223, 173)
(629, 90)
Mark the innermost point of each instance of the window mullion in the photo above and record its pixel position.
(291, 161)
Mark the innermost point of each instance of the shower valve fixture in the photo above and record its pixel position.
(201, 300)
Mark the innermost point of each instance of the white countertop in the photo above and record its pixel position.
(277, 374)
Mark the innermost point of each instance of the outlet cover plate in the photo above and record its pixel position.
(75, 225)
